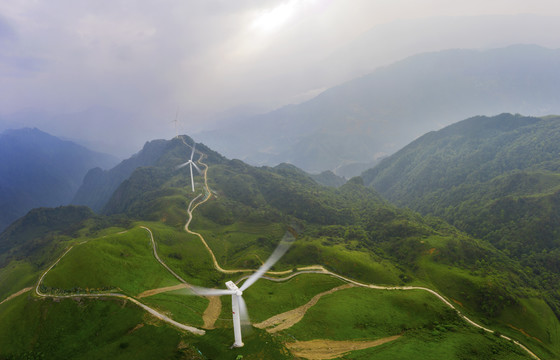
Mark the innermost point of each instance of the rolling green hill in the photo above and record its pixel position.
(496, 178)
(106, 266)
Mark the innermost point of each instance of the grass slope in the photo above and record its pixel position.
(84, 329)
(430, 329)
(123, 262)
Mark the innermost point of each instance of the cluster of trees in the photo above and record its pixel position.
(76, 290)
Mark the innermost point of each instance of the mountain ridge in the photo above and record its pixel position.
(495, 178)
(363, 119)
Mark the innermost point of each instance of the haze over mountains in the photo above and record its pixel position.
(38, 169)
(275, 75)
(373, 116)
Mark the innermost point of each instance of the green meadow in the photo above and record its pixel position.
(429, 328)
(180, 305)
(266, 298)
(122, 262)
(183, 253)
(242, 245)
(361, 313)
(16, 276)
(442, 343)
(83, 329)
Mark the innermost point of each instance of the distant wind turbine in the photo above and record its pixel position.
(238, 306)
(176, 121)
(191, 163)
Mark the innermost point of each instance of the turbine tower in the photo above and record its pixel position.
(238, 306)
(191, 163)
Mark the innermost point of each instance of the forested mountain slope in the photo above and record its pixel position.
(98, 185)
(38, 169)
(496, 178)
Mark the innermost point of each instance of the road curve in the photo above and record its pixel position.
(113, 295)
(191, 208)
(315, 269)
(319, 269)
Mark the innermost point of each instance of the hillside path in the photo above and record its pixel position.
(16, 294)
(213, 310)
(319, 269)
(153, 312)
(207, 195)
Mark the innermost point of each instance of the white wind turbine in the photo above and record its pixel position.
(238, 306)
(176, 121)
(191, 163)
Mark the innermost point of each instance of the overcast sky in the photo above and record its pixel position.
(144, 59)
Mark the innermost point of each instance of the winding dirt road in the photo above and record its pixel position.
(213, 307)
(113, 295)
(207, 195)
(16, 294)
(318, 269)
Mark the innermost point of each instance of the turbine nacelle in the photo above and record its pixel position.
(234, 289)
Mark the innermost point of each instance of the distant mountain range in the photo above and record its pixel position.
(41, 170)
(349, 127)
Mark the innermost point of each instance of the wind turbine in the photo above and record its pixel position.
(191, 164)
(176, 121)
(238, 306)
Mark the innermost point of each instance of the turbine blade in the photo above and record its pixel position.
(280, 250)
(197, 168)
(192, 153)
(243, 312)
(182, 165)
(211, 292)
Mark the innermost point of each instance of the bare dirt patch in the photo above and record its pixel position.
(161, 290)
(212, 312)
(524, 333)
(457, 302)
(331, 349)
(139, 326)
(290, 318)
